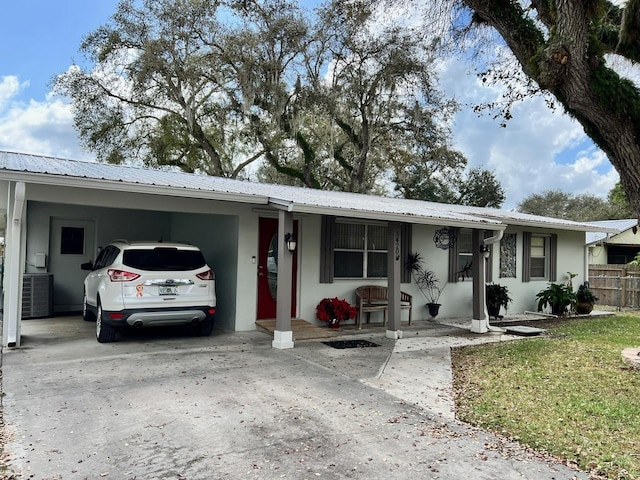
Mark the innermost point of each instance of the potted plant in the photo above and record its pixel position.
(585, 299)
(335, 310)
(426, 281)
(558, 296)
(497, 297)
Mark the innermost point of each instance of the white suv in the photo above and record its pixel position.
(142, 284)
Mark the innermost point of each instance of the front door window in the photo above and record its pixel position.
(272, 267)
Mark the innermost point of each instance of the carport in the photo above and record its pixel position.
(58, 222)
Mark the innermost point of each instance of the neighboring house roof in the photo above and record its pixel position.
(620, 225)
(73, 173)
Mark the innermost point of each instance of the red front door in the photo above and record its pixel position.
(268, 268)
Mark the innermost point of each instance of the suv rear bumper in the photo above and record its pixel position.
(149, 317)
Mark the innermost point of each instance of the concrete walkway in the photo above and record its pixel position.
(163, 405)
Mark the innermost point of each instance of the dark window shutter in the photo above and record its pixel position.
(453, 255)
(406, 230)
(327, 241)
(553, 258)
(526, 256)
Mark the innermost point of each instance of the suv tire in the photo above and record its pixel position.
(87, 314)
(104, 333)
(204, 328)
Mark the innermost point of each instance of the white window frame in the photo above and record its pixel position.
(547, 249)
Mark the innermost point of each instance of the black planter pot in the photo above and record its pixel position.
(584, 307)
(493, 311)
(558, 309)
(434, 308)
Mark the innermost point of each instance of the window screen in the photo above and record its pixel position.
(360, 251)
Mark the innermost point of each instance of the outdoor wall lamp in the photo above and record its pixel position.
(290, 240)
(485, 250)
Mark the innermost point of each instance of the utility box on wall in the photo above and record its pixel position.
(37, 295)
(40, 260)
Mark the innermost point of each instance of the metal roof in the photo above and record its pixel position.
(57, 171)
(620, 225)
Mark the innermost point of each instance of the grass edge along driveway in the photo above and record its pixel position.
(568, 393)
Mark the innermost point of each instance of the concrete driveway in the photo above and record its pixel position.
(163, 405)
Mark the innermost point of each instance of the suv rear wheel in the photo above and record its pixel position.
(104, 333)
(87, 314)
(204, 328)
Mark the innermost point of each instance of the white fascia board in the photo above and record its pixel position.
(111, 185)
(546, 222)
(480, 223)
(581, 227)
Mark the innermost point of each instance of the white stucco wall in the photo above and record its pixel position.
(456, 298)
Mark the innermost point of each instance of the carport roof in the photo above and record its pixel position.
(72, 173)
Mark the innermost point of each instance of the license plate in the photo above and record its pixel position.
(165, 290)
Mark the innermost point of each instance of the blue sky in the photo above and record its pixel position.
(539, 149)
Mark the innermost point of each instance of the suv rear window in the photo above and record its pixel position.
(162, 258)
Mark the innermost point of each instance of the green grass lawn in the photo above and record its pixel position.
(568, 393)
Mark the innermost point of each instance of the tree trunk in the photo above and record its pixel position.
(571, 68)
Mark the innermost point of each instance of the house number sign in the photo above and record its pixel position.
(396, 245)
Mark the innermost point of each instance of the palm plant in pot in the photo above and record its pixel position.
(497, 297)
(558, 296)
(426, 281)
(585, 299)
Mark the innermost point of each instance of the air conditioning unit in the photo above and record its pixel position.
(37, 295)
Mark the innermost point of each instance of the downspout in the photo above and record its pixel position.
(494, 239)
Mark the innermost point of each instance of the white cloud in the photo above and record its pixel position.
(539, 149)
(44, 128)
(9, 87)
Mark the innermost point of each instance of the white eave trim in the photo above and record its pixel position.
(580, 227)
(113, 185)
(480, 223)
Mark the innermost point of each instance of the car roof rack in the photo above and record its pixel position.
(121, 240)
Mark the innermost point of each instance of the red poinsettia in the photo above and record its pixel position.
(330, 308)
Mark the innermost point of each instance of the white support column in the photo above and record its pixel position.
(394, 264)
(283, 335)
(13, 268)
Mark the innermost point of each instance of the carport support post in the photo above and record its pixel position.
(480, 321)
(13, 269)
(394, 264)
(283, 335)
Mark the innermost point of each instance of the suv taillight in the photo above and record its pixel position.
(121, 275)
(208, 275)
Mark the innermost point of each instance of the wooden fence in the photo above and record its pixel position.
(616, 285)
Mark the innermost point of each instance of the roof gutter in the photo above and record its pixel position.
(477, 222)
(281, 204)
(574, 226)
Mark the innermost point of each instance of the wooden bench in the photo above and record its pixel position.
(374, 298)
